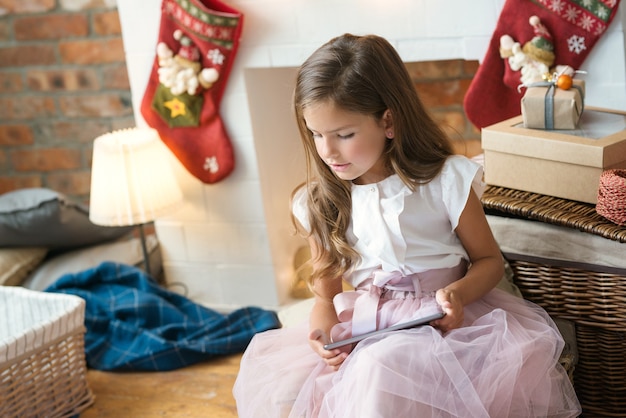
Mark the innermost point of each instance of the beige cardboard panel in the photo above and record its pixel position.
(535, 143)
(511, 137)
(551, 178)
(615, 153)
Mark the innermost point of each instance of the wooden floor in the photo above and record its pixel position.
(202, 390)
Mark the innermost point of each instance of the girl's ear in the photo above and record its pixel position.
(388, 124)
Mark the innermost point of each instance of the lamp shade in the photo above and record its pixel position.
(131, 178)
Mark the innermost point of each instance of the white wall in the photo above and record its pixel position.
(219, 244)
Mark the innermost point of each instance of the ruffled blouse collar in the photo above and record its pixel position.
(376, 230)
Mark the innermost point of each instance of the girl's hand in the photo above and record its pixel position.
(333, 358)
(453, 309)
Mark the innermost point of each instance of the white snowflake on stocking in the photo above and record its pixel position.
(571, 14)
(602, 12)
(586, 22)
(600, 28)
(576, 44)
(556, 5)
(194, 11)
(216, 56)
(211, 164)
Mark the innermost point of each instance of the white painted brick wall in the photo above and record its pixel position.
(218, 244)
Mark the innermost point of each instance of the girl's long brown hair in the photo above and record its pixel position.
(361, 74)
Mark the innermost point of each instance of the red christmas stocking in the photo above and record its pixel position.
(197, 43)
(565, 35)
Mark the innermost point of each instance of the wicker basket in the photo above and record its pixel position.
(592, 297)
(42, 357)
(552, 210)
(595, 301)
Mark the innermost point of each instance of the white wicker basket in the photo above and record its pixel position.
(42, 355)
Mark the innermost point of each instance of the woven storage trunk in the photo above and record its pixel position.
(591, 296)
(42, 356)
(595, 300)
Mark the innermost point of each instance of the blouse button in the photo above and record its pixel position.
(373, 189)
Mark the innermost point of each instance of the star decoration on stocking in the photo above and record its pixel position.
(176, 107)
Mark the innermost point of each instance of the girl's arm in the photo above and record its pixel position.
(486, 265)
(323, 317)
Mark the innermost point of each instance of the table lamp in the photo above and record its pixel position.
(132, 182)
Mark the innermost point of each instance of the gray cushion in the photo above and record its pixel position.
(127, 252)
(38, 217)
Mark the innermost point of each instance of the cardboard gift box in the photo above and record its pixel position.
(559, 163)
(552, 107)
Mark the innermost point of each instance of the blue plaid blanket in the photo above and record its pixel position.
(134, 324)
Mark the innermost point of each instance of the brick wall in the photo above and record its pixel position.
(63, 82)
(442, 86)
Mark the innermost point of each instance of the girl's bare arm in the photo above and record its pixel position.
(486, 267)
(323, 318)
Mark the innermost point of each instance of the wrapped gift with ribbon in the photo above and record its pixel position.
(555, 103)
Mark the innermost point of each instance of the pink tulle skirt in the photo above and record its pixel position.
(502, 363)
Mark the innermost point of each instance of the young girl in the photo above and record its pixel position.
(388, 208)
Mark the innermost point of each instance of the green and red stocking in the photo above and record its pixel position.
(196, 47)
(567, 32)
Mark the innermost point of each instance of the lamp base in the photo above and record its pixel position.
(146, 259)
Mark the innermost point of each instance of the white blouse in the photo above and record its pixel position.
(395, 229)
